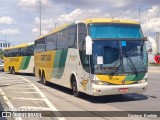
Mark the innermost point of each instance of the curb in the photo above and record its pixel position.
(153, 68)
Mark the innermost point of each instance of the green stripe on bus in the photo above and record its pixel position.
(25, 62)
(59, 63)
(135, 77)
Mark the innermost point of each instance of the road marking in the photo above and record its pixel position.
(22, 98)
(24, 92)
(34, 108)
(19, 88)
(34, 88)
(13, 81)
(8, 78)
(6, 100)
(53, 108)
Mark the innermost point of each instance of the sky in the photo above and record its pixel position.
(19, 19)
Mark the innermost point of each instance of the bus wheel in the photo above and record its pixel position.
(10, 70)
(43, 80)
(40, 76)
(74, 87)
(13, 71)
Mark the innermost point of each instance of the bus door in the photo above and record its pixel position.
(84, 68)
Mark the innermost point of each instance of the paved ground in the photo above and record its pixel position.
(2, 106)
(63, 100)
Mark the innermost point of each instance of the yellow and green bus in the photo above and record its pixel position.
(19, 59)
(97, 56)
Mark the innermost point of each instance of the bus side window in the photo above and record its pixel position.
(72, 36)
(62, 39)
(40, 45)
(82, 33)
(51, 42)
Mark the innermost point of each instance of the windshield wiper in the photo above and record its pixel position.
(132, 64)
(115, 64)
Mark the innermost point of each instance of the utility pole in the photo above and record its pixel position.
(40, 22)
(55, 25)
(139, 11)
(5, 36)
(157, 40)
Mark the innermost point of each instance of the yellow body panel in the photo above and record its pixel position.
(12, 61)
(113, 79)
(110, 20)
(44, 62)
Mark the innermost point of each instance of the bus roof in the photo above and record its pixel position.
(109, 20)
(54, 30)
(20, 46)
(93, 20)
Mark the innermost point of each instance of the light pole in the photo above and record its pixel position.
(40, 22)
(139, 11)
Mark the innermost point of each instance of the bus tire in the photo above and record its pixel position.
(34, 71)
(43, 80)
(74, 87)
(13, 71)
(10, 70)
(40, 75)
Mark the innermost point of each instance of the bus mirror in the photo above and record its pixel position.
(146, 38)
(88, 42)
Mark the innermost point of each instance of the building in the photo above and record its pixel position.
(4, 44)
(157, 41)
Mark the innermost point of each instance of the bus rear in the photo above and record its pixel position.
(19, 59)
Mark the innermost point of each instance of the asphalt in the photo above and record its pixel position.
(21, 96)
(3, 106)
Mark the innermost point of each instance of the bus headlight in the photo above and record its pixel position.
(143, 80)
(98, 82)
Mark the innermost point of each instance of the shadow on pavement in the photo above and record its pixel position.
(102, 99)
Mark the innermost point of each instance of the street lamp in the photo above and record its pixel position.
(40, 22)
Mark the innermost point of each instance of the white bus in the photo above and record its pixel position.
(95, 56)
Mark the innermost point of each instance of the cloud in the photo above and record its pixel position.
(153, 12)
(32, 4)
(36, 31)
(46, 26)
(69, 11)
(79, 14)
(10, 31)
(71, 16)
(151, 25)
(6, 20)
(46, 23)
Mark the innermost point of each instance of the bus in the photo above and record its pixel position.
(97, 56)
(19, 59)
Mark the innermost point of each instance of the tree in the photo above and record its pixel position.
(1, 54)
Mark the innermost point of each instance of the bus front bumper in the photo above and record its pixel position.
(100, 90)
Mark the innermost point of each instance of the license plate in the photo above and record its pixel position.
(123, 90)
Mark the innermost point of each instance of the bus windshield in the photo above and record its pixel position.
(115, 31)
(118, 48)
(110, 56)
